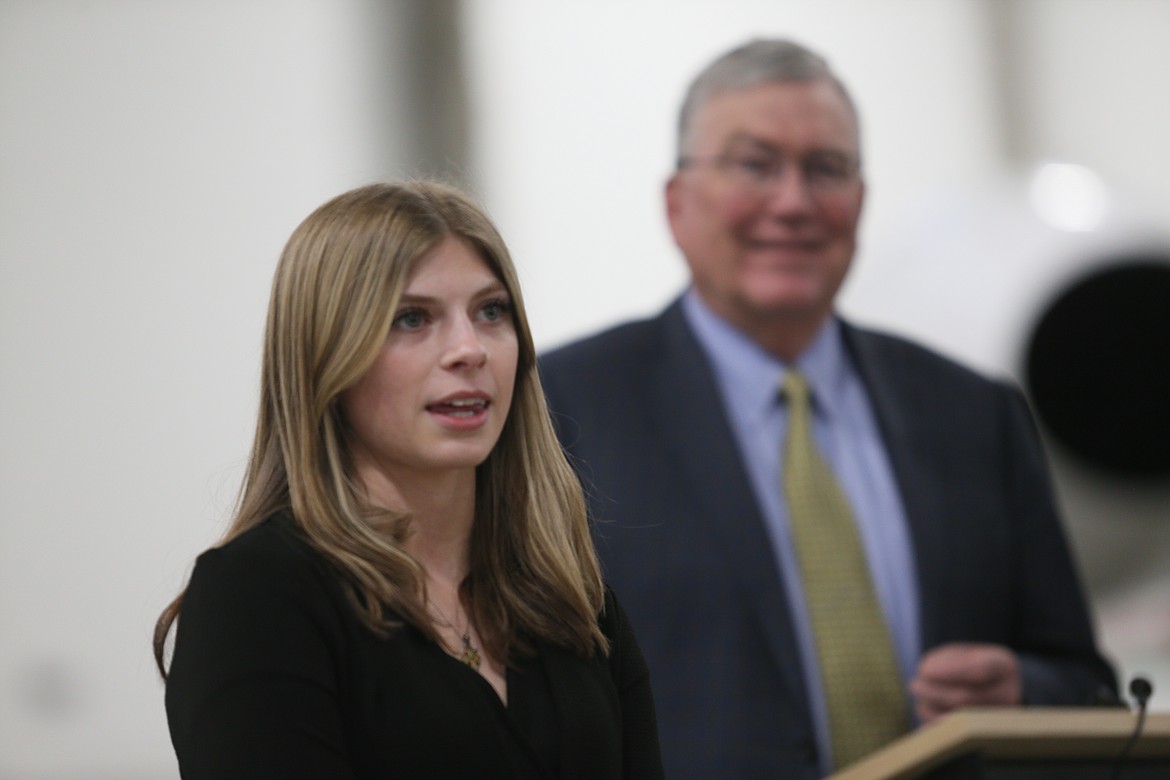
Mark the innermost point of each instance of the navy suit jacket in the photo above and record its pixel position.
(682, 539)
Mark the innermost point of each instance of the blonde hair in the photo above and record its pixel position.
(533, 570)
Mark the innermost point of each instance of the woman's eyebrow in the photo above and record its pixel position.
(491, 287)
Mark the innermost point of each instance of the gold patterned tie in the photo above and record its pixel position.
(863, 689)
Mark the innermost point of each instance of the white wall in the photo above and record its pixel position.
(155, 155)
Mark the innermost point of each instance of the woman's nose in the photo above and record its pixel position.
(465, 347)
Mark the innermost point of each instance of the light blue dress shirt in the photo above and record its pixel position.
(846, 431)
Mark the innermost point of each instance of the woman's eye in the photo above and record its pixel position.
(410, 320)
(495, 311)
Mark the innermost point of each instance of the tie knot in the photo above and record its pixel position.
(795, 388)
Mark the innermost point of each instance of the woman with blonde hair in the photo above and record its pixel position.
(408, 587)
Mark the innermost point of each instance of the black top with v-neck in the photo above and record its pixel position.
(274, 676)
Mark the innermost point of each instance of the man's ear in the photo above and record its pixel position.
(671, 196)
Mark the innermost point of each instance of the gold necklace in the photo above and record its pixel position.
(470, 654)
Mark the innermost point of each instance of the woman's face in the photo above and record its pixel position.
(439, 392)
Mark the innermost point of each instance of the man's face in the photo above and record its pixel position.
(766, 209)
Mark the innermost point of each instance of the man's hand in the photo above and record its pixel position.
(964, 675)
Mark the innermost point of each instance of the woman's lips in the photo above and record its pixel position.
(462, 411)
(460, 407)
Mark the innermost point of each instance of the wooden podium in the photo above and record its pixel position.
(1021, 743)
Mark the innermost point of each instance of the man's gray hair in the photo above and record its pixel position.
(760, 61)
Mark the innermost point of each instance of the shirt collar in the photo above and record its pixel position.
(746, 372)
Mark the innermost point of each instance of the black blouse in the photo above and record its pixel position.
(274, 676)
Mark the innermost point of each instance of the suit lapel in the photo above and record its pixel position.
(710, 470)
(899, 401)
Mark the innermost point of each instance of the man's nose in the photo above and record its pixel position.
(788, 191)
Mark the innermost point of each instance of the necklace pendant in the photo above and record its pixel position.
(470, 653)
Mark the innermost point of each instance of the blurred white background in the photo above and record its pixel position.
(155, 155)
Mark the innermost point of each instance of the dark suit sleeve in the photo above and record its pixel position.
(641, 759)
(1058, 656)
(252, 687)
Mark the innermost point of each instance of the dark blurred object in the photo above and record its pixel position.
(1098, 368)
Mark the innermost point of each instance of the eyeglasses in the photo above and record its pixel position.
(822, 172)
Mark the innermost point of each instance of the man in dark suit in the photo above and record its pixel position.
(678, 427)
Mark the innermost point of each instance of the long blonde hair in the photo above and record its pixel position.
(533, 570)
